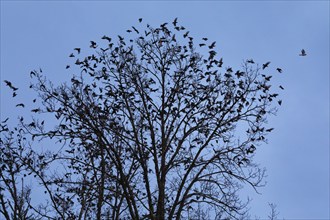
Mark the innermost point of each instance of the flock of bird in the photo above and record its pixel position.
(94, 45)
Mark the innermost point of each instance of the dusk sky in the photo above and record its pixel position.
(42, 34)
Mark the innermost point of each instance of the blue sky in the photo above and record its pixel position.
(41, 34)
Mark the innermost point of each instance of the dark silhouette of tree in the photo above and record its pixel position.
(153, 127)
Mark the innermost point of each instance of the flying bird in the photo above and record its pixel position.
(106, 38)
(71, 55)
(204, 39)
(201, 45)
(67, 67)
(303, 53)
(212, 45)
(280, 102)
(264, 66)
(77, 49)
(20, 105)
(140, 20)
(10, 85)
(136, 30)
(279, 70)
(93, 44)
(281, 87)
(186, 34)
(175, 21)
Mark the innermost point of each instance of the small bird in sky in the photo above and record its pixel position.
(212, 45)
(186, 34)
(71, 55)
(106, 38)
(140, 20)
(303, 53)
(204, 39)
(201, 45)
(10, 85)
(93, 44)
(280, 102)
(77, 49)
(265, 65)
(67, 67)
(175, 21)
(20, 105)
(281, 87)
(136, 30)
(279, 70)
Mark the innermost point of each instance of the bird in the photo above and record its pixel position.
(186, 34)
(10, 85)
(20, 105)
(281, 87)
(93, 44)
(265, 65)
(175, 21)
(204, 39)
(67, 67)
(250, 61)
(279, 70)
(212, 45)
(303, 53)
(77, 49)
(71, 55)
(106, 38)
(14, 94)
(201, 45)
(140, 20)
(135, 30)
(32, 73)
(280, 102)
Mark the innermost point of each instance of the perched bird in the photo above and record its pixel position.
(250, 61)
(279, 70)
(265, 65)
(77, 49)
(303, 53)
(175, 21)
(140, 20)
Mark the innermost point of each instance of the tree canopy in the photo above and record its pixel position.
(153, 126)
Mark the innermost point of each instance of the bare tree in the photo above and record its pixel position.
(153, 127)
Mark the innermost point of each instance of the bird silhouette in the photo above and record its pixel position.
(106, 38)
(136, 30)
(10, 85)
(140, 20)
(279, 70)
(250, 61)
(20, 105)
(67, 67)
(175, 21)
(201, 45)
(280, 102)
(265, 65)
(186, 34)
(77, 49)
(281, 87)
(71, 55)
(93, 44)
(204, 39)
(212, 45)
(303, 53)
